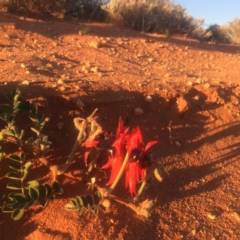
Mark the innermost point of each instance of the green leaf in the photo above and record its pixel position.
(97, 197)
(13, 175)
(157, 175)
(2, 155)
(90, 200)
(44, 204)
(7, 209)
(27, 165)
(14, 186)
(79, 201)
(25, 173)
(32, 184)
(42, 191)
(34, 193)
(74, 202)
(49, 189)
(1, 199)
(70, 207)
(14, 157)
(101, 207)
(56, 186)
(34, 120)
(20, 198)
(35, 129)
(17, 213)
(94, 211)
(11, 196)
(81, 210)
(85, 201)
(6, 132)
(16, 105)
(14, 165)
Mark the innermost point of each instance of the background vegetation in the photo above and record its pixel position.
(159, 16)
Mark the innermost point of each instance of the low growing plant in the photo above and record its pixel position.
(124, 153)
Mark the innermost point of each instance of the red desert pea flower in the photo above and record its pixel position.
(138, 159)
(130, 146)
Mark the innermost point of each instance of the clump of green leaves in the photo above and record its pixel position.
(21, 193)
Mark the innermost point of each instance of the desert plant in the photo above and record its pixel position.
(124, 153)
(126, 156)
(24, 193)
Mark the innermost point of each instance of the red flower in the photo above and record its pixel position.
(138, 159)
(89, 143)
(119, 147)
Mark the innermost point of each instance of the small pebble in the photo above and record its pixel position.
(60, 125)
(178, 144)
(206, 85)
(95, 44)
(138, 111)
(25, 82)
(148, 99)
(80, 103)
(60, 81)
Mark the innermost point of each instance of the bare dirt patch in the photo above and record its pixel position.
(194, 88)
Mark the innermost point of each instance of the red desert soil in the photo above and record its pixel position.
(194, 86)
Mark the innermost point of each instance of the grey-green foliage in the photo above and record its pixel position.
(24, 194)
(86, 203)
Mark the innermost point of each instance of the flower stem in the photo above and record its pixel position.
(140, 190)
(118, 176)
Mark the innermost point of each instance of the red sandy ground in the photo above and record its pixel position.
(195, 85)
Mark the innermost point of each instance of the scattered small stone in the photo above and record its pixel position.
(193, 232)
(212, 217)
(150, 60)
(60, 125)
(148, 99)
(94, 69)
(178, 144)
(84, 68)
(222, 92)
(197, 97)
(25, 82)
(27, 72)
(207, 85)
(60, 81)
(23, 65)
(237, 217)
(62, 88)
(80, 103)
(138, 111)
(94, 44)
(167, 75)
(189, 83)
(47, 119)
(111, 221)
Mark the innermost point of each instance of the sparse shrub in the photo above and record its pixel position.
(217, 34)
(233, 29)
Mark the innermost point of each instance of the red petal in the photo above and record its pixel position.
(86, 154)
(116, 164)
(133, 172)
(135, 140)
(90, 143)
(120, 128)
(149, 144)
